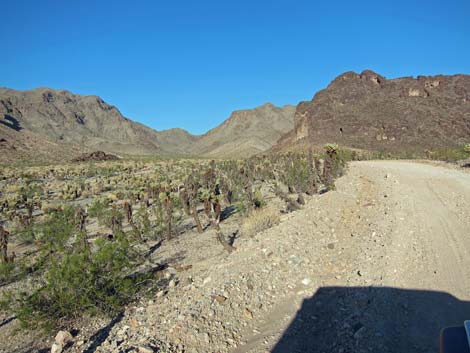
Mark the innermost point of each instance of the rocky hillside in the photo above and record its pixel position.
(46, 125)
(368, 111)
(363, 111)
(48, 118)
(247, 132)
(17, 147)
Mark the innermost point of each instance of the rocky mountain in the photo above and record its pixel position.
(247, 132)
(368, 111)
(363, 111)
(17, 147)
(54, 125)
(41, 119)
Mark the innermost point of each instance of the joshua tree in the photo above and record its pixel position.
(113, 219)
(247, 182)
(4, 244)
(190, 200)
(80, 219)
(128, 211)
(166, 200)
(329, 169)
(30, 208)
(212, 198)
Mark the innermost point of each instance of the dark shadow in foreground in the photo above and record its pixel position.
(372, 319)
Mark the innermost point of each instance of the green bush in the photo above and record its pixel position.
(56, 230)
(6, 271)
(466, 148)
(82, 282)
(449, 154)
(98, 208)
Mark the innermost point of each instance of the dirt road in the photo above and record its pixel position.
(391, 265)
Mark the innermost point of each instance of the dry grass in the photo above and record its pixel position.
(259, 220)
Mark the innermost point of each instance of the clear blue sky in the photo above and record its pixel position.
(190, 63)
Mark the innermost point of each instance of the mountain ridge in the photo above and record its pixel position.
(361, 111)
(43, 121)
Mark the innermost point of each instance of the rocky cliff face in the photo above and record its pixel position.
(368, 111)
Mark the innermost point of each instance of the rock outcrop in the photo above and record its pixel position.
(368, 111)
(96, 156)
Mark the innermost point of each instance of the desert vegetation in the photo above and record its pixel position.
(75, 238)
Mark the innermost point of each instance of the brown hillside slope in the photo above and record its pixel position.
(46, 125)
(247, 132)
(18, 147)
(64, 118)
(367, 111)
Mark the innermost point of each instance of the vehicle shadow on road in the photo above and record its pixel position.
(372, 319)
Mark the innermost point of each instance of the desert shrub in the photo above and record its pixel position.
(112, 218)
(258, 201)
(334, 165)
(26, 233)
(347, 155)
(297, 178)
(466, 148)
(31, 190)
(449, 154)
(259, 220)
(54, 233)
(98, 207)
(7, 270)
(144, 226)
(82, 282)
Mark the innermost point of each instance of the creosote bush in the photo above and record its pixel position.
(81, 282)
(75, 277)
